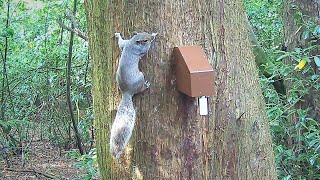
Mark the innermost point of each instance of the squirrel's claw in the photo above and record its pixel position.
(146, 84)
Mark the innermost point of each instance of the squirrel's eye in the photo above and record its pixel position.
(142, 41)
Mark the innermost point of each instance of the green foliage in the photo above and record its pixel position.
(87, 163)
(33, 88)
(296, 135)
(296, 143)
(266, 20)
(308, 24)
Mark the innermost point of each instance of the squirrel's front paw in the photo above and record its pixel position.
(146, 84)
(117, 35)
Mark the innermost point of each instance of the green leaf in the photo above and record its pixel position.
(304, 125)
(312, 122)
(316, 30)
(297, 16)
(307, 59)
(313, 159)
(305, 34)
(317, 61)
(314, 142)
(283, 56)
(297, 50)
(287, 177)
(7, 32)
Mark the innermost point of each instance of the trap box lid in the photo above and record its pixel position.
(194, 74)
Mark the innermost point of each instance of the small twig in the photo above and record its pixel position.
(54, 68)
(75, 30)
(33, 171)
(240, 116)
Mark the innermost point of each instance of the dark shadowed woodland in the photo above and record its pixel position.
(59, 94)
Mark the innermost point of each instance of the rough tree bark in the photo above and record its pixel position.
(170, 139)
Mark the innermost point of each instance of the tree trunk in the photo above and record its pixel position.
(170, 139)
(68, 92)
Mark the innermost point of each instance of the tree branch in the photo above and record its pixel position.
(74, 30)
(68, 79)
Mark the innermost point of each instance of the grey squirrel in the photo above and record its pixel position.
(131, 81)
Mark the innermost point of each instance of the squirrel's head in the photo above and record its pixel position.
(140, 43)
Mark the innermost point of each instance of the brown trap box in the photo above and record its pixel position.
(194, 74)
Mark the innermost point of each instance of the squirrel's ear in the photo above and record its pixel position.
(154, 35)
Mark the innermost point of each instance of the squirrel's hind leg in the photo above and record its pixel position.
(143, 84)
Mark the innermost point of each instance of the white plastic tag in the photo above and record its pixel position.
(203, 105)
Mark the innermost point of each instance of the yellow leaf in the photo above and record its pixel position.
(30, 45)
(301, 64)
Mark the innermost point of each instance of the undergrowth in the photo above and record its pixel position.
(296, 134)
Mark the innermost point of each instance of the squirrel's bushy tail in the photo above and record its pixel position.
(122, 126)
